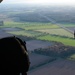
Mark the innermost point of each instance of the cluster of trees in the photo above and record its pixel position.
(29, 17)
(60, 14)
(57, 50)
(35, 17)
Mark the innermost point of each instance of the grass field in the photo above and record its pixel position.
(42, 31)
(31, 25)
(26, 33)
(72, 57)
(60, 32)
(65, 41)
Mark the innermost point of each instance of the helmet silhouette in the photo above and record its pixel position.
(14, 56)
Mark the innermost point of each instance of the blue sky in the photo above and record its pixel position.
(69, 2)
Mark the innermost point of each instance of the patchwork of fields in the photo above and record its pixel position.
(41, 31)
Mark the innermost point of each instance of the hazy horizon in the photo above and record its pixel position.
(41, 2)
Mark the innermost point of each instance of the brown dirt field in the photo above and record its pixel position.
(4, 34)
(35, 44)
(11, 29)
(37, 59)
(58, 67)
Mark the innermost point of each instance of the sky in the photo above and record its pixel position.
(59, 2)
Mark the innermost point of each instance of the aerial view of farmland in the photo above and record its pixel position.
(49, 35)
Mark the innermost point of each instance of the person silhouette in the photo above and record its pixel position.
(74, 34)
(14, 58)
(1, 1)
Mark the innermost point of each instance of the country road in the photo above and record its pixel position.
(54, 22)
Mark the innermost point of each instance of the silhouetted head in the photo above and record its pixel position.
(13, 56)
(1, 1)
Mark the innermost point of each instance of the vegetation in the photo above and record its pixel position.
(65, 41)
(60, 32)
(30, 23)
(57, 50)
(26, 33)
(41, 31)
(71, 57)
(41, 26)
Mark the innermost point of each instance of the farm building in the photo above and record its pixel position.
(1, 23)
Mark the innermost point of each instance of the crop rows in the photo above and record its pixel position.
(60, 32)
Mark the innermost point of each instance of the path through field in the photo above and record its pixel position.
(54, 22)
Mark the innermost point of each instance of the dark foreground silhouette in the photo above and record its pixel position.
(74, 34)
(1, 1)
(13, 56)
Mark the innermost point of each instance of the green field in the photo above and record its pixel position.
(65, 41)
(60, 32)
(31, 25)
(72, 57)
(41, 31)
(26, 33)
